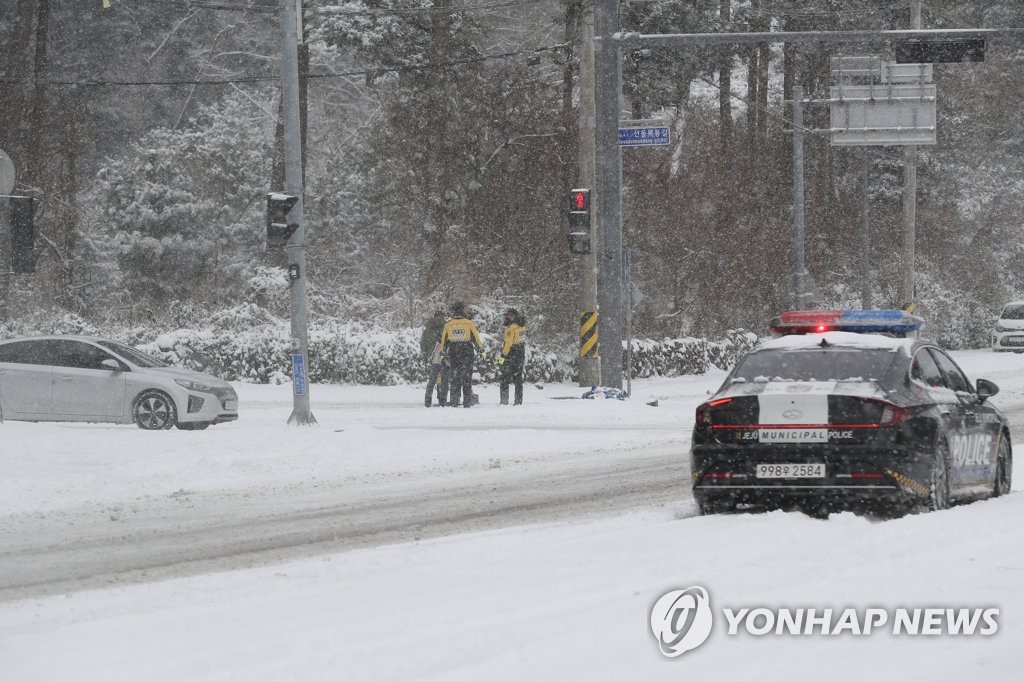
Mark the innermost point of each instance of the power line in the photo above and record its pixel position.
(187, 4)
(499, 4)
(327, 11)
(375, 71)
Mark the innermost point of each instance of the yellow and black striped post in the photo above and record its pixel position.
(588, 335)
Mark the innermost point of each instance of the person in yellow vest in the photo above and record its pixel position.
(513, 355)
(459, 342)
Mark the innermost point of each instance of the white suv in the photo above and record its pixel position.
(1009, 330)
(87, 379)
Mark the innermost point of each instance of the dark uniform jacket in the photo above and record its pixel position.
(459, 336)
(515, 343)
(432, 330)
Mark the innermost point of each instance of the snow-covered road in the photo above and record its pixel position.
(563, 521)
(94, 505)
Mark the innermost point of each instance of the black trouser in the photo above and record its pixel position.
(437, 377)
(461, 382)
(512, 373)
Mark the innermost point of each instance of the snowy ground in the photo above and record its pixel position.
(394, 542)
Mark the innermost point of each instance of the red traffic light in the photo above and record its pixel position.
(579, 200)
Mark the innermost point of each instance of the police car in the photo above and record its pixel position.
(846, 409)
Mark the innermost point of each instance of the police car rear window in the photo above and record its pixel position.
(816, 364)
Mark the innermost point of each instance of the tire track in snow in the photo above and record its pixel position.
(59, 555)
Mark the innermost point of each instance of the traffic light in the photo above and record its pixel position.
(23, 235)
(579, 221)
(278, 227)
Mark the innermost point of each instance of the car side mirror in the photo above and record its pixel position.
(986, 389)
(112, 365)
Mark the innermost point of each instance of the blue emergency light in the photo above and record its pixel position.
(897, 322)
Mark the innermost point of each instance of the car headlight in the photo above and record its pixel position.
(194, 385)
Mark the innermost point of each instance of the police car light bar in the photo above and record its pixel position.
(861, 321)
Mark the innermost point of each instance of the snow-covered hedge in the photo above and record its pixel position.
(673, 357)
(248, 344)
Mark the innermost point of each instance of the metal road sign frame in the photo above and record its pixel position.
(627, 41)
(609, 42)
(894, 114)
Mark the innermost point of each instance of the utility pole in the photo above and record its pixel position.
(589, 362)
(302, 32)
(607, 93)
(799, 254)
(907, 270)
(865, 234)
(296, 247)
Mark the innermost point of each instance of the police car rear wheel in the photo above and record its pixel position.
(938, 487)
(1004, 469)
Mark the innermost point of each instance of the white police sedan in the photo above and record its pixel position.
(88, 379)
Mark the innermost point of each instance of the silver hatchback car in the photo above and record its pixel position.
(88, 379)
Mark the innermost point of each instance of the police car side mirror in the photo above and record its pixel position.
(986, 389)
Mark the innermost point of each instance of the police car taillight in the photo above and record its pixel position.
(703, 417)
(896, 322)
(893, 414)
(886, 413)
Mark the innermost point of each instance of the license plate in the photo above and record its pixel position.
(792, 435)
(791, 470)
(230, 404)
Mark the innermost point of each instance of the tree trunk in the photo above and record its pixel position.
(13, 96)
(34, 163)
(725, 86)
(62, 233)
(762, 91)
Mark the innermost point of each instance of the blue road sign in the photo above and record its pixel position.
(642, 137)
(299, 373)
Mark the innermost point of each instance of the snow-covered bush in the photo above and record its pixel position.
(246, 343)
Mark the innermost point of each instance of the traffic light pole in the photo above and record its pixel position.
(908, 269)
(607, 92)
(296, 247)
(608, 46)
(589, 360)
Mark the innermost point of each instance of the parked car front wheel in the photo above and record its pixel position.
(154, 410)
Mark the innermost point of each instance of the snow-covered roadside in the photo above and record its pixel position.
(566, 600)
(365, 435)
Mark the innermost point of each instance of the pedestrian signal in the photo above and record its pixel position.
(579, 221)
(278, 228)
(579, 200)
